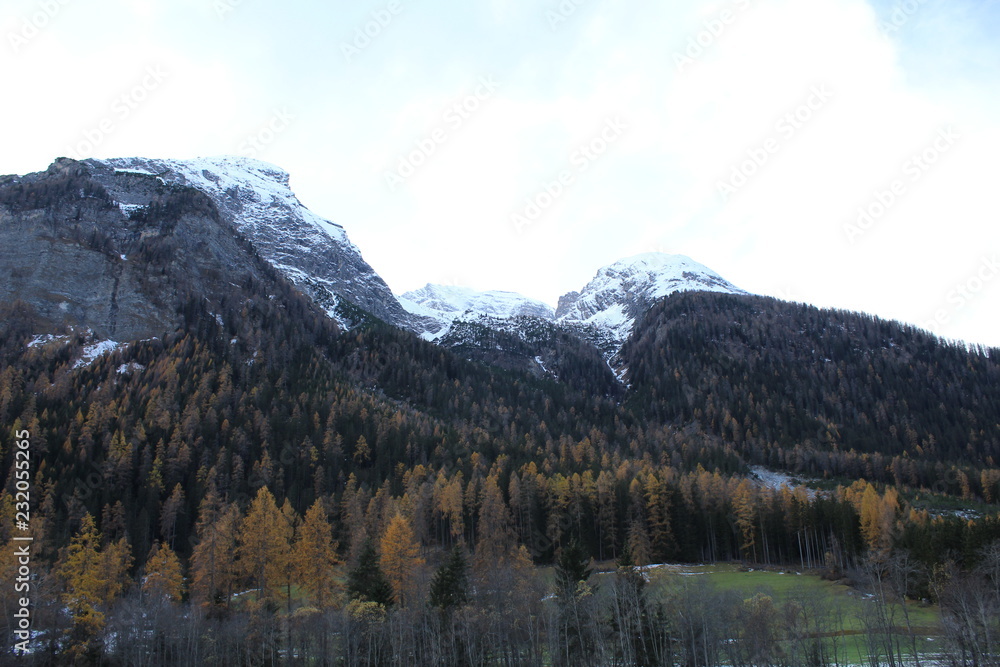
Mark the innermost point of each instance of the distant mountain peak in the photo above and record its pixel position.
(621, 292)
(443, 304)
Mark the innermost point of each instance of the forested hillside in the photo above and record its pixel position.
(828, 393)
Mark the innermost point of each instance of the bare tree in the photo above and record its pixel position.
(699, 620)
(901, 573)
(878, 613)
(970, 611)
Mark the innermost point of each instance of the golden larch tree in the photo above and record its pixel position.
(877, 517)
(745, 511)
(164, 577)
(213, 560)
(315, 556)
(400, 558)
(93, 579)
(262, 544)
(285, 566)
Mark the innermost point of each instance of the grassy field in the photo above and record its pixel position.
(846, 605)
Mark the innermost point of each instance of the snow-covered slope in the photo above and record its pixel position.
(443, 304)
(502, 328)
(609, 305)
(255, 196)
(603, 313)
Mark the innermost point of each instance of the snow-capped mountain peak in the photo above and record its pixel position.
(312, 252)
(604, 312)
(446, 303)
(621, 292)
(248, 188)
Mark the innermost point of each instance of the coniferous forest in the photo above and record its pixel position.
(262, 486)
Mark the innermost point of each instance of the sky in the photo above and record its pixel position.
(836, 152)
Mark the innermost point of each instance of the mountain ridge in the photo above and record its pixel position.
(318, 258)
(604, 311)
(312, 252)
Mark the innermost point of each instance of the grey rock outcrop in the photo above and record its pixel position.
(119, 254)
(255, 197)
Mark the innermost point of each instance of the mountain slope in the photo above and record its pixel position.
(502, 328)
(802, 388)
(314, 253)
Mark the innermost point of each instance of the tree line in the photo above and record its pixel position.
(268, 586)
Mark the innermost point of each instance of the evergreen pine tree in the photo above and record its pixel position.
(449, 587)
(572, 567)
(367, 581)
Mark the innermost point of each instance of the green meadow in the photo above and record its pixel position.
(843, 607)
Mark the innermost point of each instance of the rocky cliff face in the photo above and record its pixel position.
(255, 197)
(566, 303)
(83, 258)
(70, 236)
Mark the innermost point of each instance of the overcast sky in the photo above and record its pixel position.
(837, 152)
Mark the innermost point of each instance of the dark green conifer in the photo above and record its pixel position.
(367, 581)
(449, 587)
